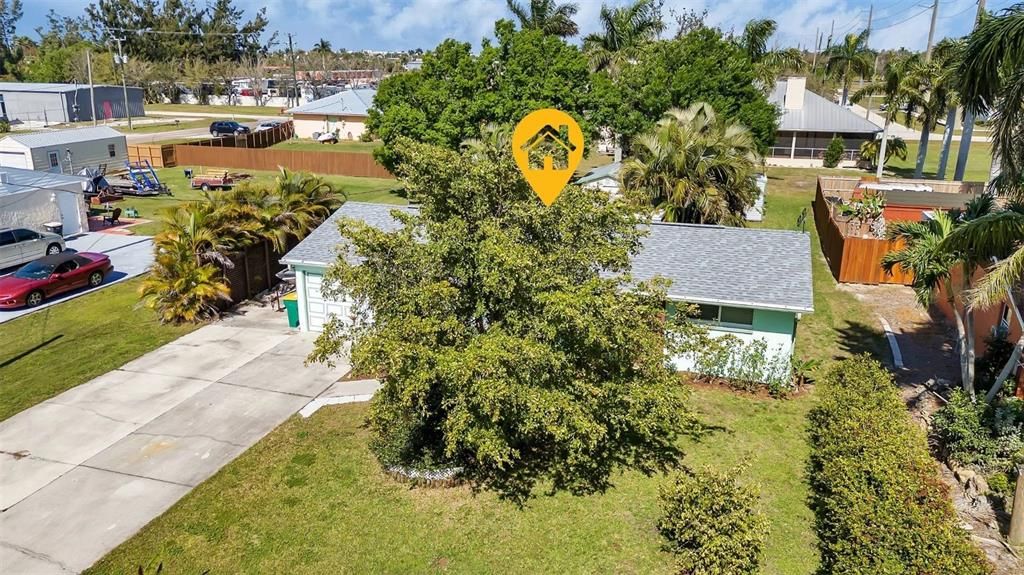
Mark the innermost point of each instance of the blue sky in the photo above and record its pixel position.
(406, 24)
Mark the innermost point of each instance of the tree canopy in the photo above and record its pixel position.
(507, 337)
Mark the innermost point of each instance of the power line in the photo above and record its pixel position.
(904, 21)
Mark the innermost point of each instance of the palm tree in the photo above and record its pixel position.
(695, 166)
(895, 146)
(495, 139)
(849, 58)
(991, 76)
(624, 30)
(927, 255)
(323, 47)
(546, 16)
(897, 92)
(768, 64)
(932, 81)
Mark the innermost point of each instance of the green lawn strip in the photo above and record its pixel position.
(358, 189)
(168, 125)
(840, 325)
(207, 109)
(979, 160)
(310, 498)
(65, 345)
(308, 145)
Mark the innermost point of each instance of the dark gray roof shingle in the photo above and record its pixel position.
(745, 267)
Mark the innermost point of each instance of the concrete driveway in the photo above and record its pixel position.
(84, 471)
(130, 255)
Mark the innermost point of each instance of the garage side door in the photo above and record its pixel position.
(318, 308)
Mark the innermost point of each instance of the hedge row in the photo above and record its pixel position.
(880, 506)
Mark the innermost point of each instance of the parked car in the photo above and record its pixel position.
(268, 125)
(227, 128)
(21, 245)
(52, 275)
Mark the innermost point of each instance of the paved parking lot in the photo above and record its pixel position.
(131, 256)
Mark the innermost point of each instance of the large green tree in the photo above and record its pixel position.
(456, 92)
(849, 59)
(624, 30)
(507, 336)
(695, 167)
(700, 66)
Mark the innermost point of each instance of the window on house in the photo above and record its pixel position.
(111, 151)
(54, 160)
(1004, 320)
(725, 315)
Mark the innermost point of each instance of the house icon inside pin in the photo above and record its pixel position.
(549, 148)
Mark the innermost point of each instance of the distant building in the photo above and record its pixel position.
(605, 178)
(344, 112)
(62, 103)
(65, 151)
(808, 124)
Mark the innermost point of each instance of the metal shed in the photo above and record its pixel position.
(61, 103)
(65, 151)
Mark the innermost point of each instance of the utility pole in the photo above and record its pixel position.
(931, 31)
(968, 131)
(124, 83)
(817, 46)
(295, 78)
(92, 91)
(871, 13)
(831, 31)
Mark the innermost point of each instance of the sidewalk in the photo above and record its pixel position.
(84, 471)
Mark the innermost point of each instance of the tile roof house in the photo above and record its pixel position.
(344, 112)
(749, 283)
(809, 122)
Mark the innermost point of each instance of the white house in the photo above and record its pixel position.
(750, 283)
(65, 151)
(30, 199)
(604, 178)
(344, 112)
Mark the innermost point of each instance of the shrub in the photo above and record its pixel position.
(743, 365)
(365, 136)
(5, 126)
(998, 351)
(712, 524)
(879, 504)
(834, 152)
(959, 429)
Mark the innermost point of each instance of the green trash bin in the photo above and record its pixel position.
(291, 305)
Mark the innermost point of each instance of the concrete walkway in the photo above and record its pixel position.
(82, 472)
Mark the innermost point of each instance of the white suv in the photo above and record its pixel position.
(21, 245)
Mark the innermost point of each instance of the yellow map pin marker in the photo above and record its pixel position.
(547, 146)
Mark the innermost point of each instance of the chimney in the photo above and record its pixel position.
(795, 88)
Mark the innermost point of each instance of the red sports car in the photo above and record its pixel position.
(52, 275)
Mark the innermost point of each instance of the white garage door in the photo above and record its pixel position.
(320, 309)
(14, 160)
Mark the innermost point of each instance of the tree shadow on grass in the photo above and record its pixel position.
(858, 338)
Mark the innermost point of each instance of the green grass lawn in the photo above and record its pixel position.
(979, 160)
(840, 325)
(204, 109)
(307, 145)
(358, 189)
(310, 498)
(65, 345)
(170, 126)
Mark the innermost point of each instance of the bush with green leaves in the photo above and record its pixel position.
(712, 523)
(879, 503)
(745, 365)
(959, 429)
(834, 152)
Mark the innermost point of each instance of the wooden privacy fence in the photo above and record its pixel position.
(158, 156)
(261, 139)
(853, 259)
(253, 271)
(334, 163)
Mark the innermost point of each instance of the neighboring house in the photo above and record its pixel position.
(604, 178)
(31, 199)
(62, 103)
(344, 112)
(65, 151)
(808, 124)
(751, 283)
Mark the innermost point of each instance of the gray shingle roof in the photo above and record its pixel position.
(69, 136)
(818, 115)
(601, 172)
(320, 247)
(345, 103)
(745, 267)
